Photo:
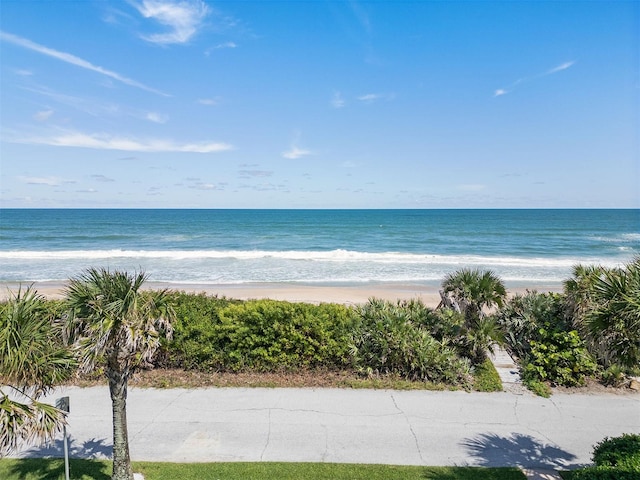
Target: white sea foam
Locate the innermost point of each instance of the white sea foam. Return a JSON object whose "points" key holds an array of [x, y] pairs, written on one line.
{"points": [[314, 256]]}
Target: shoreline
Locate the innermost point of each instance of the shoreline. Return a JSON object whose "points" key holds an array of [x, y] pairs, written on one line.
{"points": [[343, 294]]}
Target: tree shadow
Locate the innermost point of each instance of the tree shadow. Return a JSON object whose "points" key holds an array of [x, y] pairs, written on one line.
{"points": [[53, 468], [92, 449], [518, 450], [471, 473]]}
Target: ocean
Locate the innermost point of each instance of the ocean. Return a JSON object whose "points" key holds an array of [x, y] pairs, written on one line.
{"points": [[328, 247]]}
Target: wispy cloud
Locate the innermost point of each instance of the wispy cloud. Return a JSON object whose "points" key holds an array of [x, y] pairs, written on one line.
{"points": [[43, 115], [209, 102], [295, 152], [203, 186], [559, 68], [102, 178], [46, 181], [369, 97], [73, 60], [337, 101], [255, 173], [157, 117], [227, 45], [182, 18], [109, 142], [94, 107], [374, 97]]}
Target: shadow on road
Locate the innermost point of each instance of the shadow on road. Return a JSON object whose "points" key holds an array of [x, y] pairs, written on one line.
{"points": [[94, 448], [517, 450]]}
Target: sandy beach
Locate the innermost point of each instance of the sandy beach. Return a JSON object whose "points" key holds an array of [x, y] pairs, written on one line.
{"points": [[347, 294]]}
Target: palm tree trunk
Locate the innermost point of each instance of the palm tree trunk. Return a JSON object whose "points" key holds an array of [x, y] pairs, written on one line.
{"points": [[121, 460]]}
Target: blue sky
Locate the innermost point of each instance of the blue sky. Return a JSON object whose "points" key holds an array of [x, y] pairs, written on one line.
{"points": [[314, 104]]}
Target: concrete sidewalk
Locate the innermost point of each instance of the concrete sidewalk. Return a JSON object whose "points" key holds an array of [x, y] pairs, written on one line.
{"points": [[353, 426]]}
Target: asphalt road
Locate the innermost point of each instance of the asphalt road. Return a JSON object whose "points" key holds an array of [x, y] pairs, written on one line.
{"points": [[353, 426]]}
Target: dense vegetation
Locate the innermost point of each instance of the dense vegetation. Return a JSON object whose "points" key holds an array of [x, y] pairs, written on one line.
{"points": [[616, 458], [592, 330], [214, 333], [109, 324]]}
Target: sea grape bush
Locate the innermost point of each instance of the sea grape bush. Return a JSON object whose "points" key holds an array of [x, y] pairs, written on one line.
{"points": [[194, 345], [269, 334], [264, 335], [560, 358], [540, 335]]}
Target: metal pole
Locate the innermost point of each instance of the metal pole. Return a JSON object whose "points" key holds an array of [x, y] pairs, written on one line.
{"points": [[63, 404], [66, 452]]}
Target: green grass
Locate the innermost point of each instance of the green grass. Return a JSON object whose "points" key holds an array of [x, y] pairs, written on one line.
{"points": [[53, 469], [486, 378]]}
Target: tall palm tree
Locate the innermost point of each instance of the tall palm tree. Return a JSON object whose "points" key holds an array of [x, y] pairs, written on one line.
{"points": [[115, 324], [33, 360]]}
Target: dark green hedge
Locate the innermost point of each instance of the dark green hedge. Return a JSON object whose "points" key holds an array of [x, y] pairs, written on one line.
{"points": [[219, 334]]}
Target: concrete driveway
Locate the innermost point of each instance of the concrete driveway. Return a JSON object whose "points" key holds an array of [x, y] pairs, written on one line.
{"points": [[354, 426]]}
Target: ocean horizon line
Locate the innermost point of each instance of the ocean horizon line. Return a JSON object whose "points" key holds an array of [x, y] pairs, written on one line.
{"points": [[354, 209]]}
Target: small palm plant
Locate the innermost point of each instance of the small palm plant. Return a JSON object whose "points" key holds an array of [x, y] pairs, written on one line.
{"points": [[471, 291], [32, 361], [615, 322], [115, 324]]}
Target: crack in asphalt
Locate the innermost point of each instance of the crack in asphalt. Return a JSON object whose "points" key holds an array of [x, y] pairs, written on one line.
{"points": [[153, 420], [413, 433], [325, 454], [266, 445]]}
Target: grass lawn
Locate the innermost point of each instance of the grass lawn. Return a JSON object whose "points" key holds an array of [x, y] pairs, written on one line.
{"points": [[53, 469]]}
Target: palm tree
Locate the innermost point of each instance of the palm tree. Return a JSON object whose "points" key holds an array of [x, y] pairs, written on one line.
{"points": [[32, 361], [115, 324], [579, 291], [614, 323], [470, 292], [473, 290]]}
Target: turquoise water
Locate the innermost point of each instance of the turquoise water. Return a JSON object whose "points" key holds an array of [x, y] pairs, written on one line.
{"points": [[526, 247]]}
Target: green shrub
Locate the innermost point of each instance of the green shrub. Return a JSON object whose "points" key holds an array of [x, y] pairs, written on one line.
{"points": [[194, 344], [605, 308], [269, 334], [616, 458], [538, 387], [393, 338], [265, 335], [601, 473], [614, 376], [523, 316], [623, 451], [560, 358]]}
